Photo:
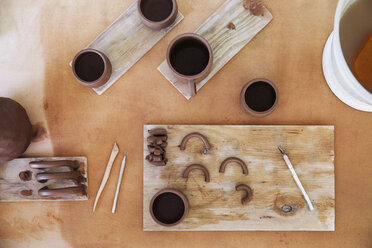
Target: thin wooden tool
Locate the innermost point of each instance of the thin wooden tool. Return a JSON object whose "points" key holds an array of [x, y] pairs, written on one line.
{"points": [[114, 153], [297, 180], [119, 183]]}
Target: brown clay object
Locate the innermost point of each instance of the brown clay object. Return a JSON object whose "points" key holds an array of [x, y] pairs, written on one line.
{"points": [[161, 163], [231, 26], [157, 14], [157, 158], [157, 143], [158, 131], [163, 145], [206, 144], [25, 175], [190, 58], [78, 190], [189, 168], [259, 97], [91, 68], [234, 160], [248, 190], [169, 207], [26, 192], [73, 164], [73, 175], [15, 129]]}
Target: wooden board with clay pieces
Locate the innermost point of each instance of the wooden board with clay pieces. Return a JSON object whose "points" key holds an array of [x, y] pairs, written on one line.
{"points": [[227, 30], [125, 41], [14, 187], [216, 205]]}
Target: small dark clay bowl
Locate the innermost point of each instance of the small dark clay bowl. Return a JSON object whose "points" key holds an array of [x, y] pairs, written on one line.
{"points": [[174, 214], [155, 19], [266, 91], [91, 68]]}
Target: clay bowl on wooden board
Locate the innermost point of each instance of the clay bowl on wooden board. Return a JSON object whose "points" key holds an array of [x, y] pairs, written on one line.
{"points": [[259, 97], [169, 207], [91, 68], [157, 14]]}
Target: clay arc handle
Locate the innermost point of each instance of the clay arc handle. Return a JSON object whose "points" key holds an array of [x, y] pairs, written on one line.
{"points": [[234, 160], [205, 141], [74, 175], [69, 191], [192, 87], [248, 190], [73, 164], [189, 168]]}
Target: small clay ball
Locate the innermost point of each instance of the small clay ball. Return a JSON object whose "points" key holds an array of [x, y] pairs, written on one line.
{"points": [[15, 129]]}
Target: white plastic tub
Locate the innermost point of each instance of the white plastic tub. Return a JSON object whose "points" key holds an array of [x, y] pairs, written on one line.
{"points": [[339, 52]]}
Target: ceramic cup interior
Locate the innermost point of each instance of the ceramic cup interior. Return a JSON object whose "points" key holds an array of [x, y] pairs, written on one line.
{"points": [[89, 66], [168, 207], [189, 56], [156, 10], [259, 97]]}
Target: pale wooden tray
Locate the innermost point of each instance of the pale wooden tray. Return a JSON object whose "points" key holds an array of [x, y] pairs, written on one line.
{"points": [[125, 41], [225, 42], [216, 205], [11, 185]]}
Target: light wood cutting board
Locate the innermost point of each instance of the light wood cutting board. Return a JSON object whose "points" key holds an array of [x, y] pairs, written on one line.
{"points": [[217, 206]]}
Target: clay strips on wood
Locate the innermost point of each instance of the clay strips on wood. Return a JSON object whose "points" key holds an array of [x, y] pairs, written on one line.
{"points": [[227, 30], [44, 179], [125, 41], [225, 195]]}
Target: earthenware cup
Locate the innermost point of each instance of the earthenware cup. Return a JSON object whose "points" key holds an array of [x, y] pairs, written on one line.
{"points": [[157, 14], [169, 207], [91, 68], [259, 97], [190, 58]]}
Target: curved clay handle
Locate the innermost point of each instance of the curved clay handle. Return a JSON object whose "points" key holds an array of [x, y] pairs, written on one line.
{"points": [[158, 131], [248, 190], [184, 141], [73, 164], [189, 168], [46, 192], [74, 175], [236, 160], [192, 87]]}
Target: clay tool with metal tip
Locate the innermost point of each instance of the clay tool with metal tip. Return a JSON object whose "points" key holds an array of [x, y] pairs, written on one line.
{"points": [[119, 183], [297, 180], [114, 153]]}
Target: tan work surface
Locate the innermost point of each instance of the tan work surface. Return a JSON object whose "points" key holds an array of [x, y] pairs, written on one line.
{"points": [[216, 206], [39, 38]]}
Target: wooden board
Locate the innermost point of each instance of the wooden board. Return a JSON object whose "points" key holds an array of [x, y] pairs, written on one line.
{"points": [[125, 41], [11, 185], [216, 205], [225, 42]]}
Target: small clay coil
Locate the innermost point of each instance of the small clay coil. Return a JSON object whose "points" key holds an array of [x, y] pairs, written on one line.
{"points": [[206, 144], [159, 141], [157, 150], [157, 158], [158, 131], [248, 190], [69, 191], [73, 164], [161, 163], [151, 139], [234, 160], [189, 168], [73, 175], [164, 144]]}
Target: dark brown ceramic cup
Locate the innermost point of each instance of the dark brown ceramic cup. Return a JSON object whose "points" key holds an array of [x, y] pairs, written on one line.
{"points": [[169, 207], [91, 68], [157, 14], [259, 97], [190, 58]]}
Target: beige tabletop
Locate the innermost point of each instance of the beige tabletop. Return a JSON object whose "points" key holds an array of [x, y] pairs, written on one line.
{"points": [[39, 38]]}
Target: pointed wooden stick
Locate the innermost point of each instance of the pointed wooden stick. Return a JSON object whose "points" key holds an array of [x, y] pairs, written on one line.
{"points": [[114, 153]]}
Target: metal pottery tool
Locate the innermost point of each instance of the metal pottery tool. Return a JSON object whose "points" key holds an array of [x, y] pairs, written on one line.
{"points": [[119, 182], [297, 180]]}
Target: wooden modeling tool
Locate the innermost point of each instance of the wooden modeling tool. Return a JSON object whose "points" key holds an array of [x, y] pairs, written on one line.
{"points": [[297, 180], [114, 153], [119, 183]]}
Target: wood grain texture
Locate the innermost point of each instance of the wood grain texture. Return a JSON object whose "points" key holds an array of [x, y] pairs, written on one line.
{"points": [[125, 41], [225, 42], [217, 205], [11, 185]]}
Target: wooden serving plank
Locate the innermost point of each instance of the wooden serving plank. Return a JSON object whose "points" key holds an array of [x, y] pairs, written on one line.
{"points": [[125, 41], [217, 206], [11, 185], [225, 42]]}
